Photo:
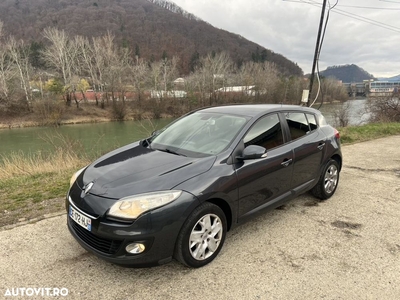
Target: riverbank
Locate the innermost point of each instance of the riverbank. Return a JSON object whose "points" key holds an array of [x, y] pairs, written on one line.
{"points": [[86, 113]]}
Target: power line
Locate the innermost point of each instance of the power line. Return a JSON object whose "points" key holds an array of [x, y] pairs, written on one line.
{"points": [[345, 12], [370, 7], [351, 15], [390, 1]]}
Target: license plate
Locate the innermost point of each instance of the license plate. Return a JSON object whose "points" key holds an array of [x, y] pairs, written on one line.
{"points": [[80, 219]]}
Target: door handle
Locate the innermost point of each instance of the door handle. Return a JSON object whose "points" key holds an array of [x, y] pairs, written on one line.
{"points": [[321, 146], [286, 162]]}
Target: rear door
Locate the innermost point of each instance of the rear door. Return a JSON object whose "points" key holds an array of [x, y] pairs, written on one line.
{"points": [[260, 181], [308, 144]]}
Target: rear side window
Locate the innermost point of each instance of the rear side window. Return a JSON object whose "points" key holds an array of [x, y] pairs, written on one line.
{"points": [[312, 121], [266, 132], [322, 120], [298, 124]]}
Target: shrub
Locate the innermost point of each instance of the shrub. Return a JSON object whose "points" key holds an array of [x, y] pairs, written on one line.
{"points": [[119, 110], [49, 112], [384, 109]]}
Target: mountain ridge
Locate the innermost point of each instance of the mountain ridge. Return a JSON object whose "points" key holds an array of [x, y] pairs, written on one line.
{"points": [[393, 78], [347, 73], [151, 31]]}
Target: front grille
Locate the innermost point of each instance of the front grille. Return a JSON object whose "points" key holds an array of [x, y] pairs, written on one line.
{"points": [[101, 244]]}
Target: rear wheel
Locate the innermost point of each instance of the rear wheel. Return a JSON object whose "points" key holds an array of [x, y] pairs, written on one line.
{"points": [[202, 236], [328, 181]]}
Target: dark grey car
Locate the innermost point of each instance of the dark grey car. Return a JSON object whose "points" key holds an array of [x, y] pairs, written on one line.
{"points": [[177, 193]]}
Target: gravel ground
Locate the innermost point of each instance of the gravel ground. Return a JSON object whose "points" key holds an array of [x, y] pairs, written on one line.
{"points": [[345, 248]]}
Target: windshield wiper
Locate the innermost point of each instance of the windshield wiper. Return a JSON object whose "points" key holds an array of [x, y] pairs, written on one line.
{"points": [[170, 151]]}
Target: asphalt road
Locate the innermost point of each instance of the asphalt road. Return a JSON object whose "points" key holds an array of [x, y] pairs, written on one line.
{"points": [[345, 248]]}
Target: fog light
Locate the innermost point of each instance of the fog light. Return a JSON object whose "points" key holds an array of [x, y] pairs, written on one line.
{"points": [[135, 248]]}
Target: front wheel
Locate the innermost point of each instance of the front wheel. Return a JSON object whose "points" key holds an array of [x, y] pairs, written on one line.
{"points": [[202, 236], [328, 181]]}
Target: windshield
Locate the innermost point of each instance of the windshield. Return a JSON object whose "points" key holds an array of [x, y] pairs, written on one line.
{"points": [[198, 134]]}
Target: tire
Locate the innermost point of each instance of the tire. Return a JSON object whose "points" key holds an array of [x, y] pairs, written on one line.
{"points": [[328, 181], [202, 236]]}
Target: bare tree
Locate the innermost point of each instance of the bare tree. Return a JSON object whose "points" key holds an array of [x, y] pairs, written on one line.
{"points": [[342, 115], [271, 83], [111, 66], [6, 74], [139, 73], [169, 71], [156, 74], [214, 70], [19, 54], [60, 55], [193, 90], [252, 74], [7, 70], [90, 63], [385, 108], [296, 85], [115, 65], [98, 66]]}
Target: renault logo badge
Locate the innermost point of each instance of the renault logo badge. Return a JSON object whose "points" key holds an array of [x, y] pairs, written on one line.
{"points": [[88, 187]]}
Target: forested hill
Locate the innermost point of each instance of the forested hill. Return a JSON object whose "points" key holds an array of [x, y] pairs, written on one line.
{"points": [[150, 28], [347, 73]]}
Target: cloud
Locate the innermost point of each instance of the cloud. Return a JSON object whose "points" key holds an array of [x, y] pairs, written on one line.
{"points": [[290, 28]]}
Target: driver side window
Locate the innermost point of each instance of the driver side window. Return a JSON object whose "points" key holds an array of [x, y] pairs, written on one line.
{"points": [[266, 132]]}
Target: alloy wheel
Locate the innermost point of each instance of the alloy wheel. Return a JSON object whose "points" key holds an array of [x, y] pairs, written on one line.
{"points": [[205, 237], [331, 179]]}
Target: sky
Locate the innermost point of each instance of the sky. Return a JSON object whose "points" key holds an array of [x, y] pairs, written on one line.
{"points": [[365, 33]]}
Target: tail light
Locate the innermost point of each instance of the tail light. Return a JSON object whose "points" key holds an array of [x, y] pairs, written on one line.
{"points": [[336, 133]]}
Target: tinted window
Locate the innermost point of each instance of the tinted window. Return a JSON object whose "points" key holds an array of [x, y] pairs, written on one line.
{"points": [[312, 121], [298, 124], [266, 132]]}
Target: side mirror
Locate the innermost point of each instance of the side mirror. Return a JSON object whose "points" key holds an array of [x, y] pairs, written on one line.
{"points": [[253, 152]]}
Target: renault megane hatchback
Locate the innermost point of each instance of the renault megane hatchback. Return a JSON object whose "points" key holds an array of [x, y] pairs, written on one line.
{"points": [[178, 192]]}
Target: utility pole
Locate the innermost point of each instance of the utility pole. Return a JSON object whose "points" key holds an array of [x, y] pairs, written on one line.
{"points": [[317, 48]]}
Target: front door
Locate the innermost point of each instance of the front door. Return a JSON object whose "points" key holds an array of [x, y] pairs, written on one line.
{"points": [[261, 181]]}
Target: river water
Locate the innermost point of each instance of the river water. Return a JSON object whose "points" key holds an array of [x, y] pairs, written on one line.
{"points": [[93, 138], [102, 137]]}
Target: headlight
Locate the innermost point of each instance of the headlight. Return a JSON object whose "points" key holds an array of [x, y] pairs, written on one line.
{"points": [[130, 208], [75, 176]]}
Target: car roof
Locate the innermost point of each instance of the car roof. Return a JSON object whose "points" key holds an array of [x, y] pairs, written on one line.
{"points": [[253, 110]]}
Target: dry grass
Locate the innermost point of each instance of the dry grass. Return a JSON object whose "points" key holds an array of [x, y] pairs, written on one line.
{"points": [[66, 154], [31, 186], [17, 164]]}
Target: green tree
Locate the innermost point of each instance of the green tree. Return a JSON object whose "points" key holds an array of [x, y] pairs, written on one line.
{"points": [[35, 55]]}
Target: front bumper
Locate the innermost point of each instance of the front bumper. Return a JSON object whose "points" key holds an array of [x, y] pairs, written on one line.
{"points": [[157, 230]]}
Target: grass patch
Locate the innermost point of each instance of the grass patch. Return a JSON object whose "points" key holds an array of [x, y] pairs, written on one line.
{"points": [[31, 186], [31, 196], [355, 134], [17, 192]]}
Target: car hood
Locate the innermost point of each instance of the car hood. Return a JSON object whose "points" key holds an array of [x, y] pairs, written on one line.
{"points": [[135, 169]]}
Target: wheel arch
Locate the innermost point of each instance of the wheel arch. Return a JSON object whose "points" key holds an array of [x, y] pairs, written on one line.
{"points": [[338, 159], [225, 208]]}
